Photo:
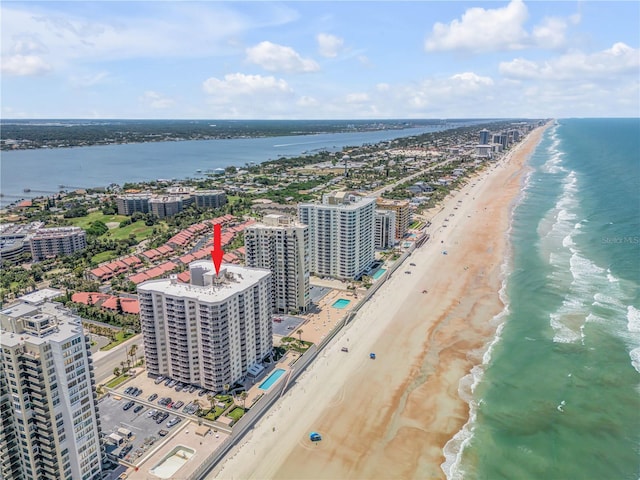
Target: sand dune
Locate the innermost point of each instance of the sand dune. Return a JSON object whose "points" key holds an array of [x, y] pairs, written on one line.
{"points": [[391, 417]]}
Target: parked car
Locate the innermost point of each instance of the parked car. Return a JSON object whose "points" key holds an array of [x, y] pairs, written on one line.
{"points": [[202, 392], [128, 405], [159, 380], [192, 388], [151, 413], [173, 421], [167, 382], [138, 392], [179, 387], [128, 390], [153, 396], [138, 408], [173, 383], [163, 433], [177, 405]]}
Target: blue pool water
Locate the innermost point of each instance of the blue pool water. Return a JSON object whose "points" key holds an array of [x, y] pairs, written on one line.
{"points": [[341, 303], [275, 375], [379, 273]]}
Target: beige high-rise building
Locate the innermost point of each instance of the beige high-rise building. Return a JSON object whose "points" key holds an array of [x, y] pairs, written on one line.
{"points": [[402, 211], [281, 245], [208, 332], [50, 426], [341, 234]]}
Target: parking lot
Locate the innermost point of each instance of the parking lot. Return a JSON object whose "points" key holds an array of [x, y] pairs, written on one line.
{"points": [[285, 325], [144, 431]]}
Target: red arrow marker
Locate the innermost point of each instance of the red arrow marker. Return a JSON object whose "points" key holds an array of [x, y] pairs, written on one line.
{"points": [[217, 253]]}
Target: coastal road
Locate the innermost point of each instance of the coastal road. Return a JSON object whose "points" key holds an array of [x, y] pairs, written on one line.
{"points": [[105, 362]]}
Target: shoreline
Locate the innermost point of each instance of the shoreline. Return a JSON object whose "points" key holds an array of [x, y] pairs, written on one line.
{"points": [[405, 405], [453, 450]]}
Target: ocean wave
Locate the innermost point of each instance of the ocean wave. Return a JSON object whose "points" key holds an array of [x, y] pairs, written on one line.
{"points": [[455, 447], [633, 319]]}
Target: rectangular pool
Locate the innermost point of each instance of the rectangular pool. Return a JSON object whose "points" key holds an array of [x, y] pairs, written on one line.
{"points": [[379, 273], [275, 375], [341, 303]]}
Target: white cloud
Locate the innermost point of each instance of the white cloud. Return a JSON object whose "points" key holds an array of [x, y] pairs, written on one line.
{"points": [[481, 30], [156, 100], [306, 102], [618, 60], [550, 33], [471, 80], [25, 65], [150, 30], [276, 58], [329, 45], [485, 30], [239, 84], [359, 97]]}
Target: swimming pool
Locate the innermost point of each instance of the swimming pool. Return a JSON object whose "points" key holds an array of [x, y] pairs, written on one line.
{"points": [[341, 303], [172, 462], [379, 273], [275, 375]]}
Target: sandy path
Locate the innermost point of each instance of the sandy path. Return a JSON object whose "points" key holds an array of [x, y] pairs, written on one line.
{"points": [[391, 417]]}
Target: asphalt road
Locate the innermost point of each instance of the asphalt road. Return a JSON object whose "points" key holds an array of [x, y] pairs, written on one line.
{"points": [[105, 362]]}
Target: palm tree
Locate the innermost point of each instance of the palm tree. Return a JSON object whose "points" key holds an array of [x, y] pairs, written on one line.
{"points": [[243, 397], [299, 332], [132, 352], [212, 401], [196, 402], [116, 372]]}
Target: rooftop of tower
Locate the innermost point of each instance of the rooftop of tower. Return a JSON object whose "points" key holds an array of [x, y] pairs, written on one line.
{"points": [[205, 285]]}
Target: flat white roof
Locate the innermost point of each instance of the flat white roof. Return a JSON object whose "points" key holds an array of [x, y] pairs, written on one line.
{"points": [[236, 280], [40, 296]]}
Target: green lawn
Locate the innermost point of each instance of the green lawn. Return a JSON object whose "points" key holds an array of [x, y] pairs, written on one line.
{"points": [[121, 336], [139, 229], [103, 257], [117, 381], [236, 413], [85, 222]]}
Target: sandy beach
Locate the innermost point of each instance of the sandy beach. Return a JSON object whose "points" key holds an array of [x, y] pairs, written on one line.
{"points": [[391, 417]]}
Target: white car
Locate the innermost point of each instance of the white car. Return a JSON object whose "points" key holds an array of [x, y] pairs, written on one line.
{"points": [[151, 413], [173, 421]]}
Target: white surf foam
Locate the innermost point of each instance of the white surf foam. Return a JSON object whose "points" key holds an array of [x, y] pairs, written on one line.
{"points": [[454, 448]]}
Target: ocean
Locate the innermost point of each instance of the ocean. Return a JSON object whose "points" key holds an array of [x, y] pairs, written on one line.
{"points": [[558, 396]]}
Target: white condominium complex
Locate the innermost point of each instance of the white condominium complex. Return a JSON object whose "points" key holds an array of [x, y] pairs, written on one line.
{"points": [[50, 427], [341, 234], [282, 246], [208, 332], [51, 242]]}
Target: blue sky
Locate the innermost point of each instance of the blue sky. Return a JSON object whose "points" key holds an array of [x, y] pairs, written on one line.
{"points": [[308, 60]]}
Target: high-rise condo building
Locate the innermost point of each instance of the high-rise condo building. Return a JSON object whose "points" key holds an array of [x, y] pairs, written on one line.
{"points": [[402, 211], [136, 202], [484, 136], [167, 206], [341, 234], [385, 235], [50, 427], [209, 198], [281, 245], [51, 242], [211, 331]]}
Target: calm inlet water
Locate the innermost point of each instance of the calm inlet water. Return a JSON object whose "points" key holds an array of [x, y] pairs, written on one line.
{"points": [[44, 170], [560, 393]]}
